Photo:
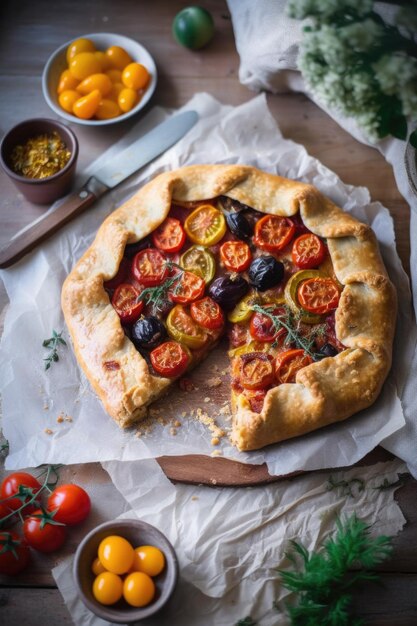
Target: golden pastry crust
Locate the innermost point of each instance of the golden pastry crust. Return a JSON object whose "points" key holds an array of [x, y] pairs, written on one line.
{"points": [[325, 392]]}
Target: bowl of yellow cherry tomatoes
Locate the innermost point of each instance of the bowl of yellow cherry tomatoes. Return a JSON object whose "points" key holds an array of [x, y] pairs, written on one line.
{"points": [[125, 570], [99, 79]]}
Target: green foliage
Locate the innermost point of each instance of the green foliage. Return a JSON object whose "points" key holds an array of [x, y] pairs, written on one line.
{"points": [[324, 581], [52, 344]]}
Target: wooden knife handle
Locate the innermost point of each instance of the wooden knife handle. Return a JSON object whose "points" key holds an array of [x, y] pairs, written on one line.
{"points": [[30, 238]]}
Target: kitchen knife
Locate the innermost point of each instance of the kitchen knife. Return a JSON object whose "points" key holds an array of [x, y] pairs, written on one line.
{"points": [[111, 174]]}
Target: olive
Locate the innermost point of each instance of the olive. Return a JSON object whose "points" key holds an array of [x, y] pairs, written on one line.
{"points": [[148, 332], [328, 350], [227, 292], [239, 225], [265, 272], [133, 248]]}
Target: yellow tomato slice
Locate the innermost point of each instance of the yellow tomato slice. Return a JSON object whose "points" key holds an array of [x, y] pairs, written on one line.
{"points": [[199, 261], [184, 329], [206, 225], [243, 311]]}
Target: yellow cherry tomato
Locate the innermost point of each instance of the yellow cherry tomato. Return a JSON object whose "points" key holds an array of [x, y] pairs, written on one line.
{"points": [[118, 57], [79, 45], [148, 559], [97, 567], [102, 59], [67, 99], [84, 64], [128, 98], [135, 76], [67, 81], [205, 225], [85, 107], [116, 554], [138, 589], [95, 81], [114, 75], [107, 109], [115, 90], [108, 588]]}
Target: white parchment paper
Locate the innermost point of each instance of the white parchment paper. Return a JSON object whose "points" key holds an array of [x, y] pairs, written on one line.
{"points": [[229, 542], [33, 398]]}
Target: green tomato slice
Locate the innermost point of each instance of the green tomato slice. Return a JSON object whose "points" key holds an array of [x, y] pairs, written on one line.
{"points": [[200, 261]]}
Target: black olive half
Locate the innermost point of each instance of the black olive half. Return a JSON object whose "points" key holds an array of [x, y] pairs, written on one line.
{"points": [[148, 333], [265, 272], [227, 292], [239, 225], [328, 350]]}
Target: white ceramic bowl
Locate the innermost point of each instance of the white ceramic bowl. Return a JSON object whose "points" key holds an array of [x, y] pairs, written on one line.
{"points": [[57, 63]]}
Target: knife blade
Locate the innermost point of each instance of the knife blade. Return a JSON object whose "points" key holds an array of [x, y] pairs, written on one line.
{"points": [[131, 159]]}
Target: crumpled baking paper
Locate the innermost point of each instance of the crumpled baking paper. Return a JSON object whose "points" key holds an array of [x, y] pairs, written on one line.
{"points": [[229, 542], [33, 398]]}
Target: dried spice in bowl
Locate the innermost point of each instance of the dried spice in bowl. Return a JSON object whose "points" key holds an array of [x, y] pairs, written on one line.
{"points": [[40, 156]]}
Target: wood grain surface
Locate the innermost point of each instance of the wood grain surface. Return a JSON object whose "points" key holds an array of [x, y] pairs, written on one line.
{"points": [[30, 32]]}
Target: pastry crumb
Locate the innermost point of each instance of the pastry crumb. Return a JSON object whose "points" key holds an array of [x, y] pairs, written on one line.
{"points": [[225, 410], [59, 419], [173, 431], [195, 498], [216, 453], [45, 407], [216, 381], [68, 418], [207, 399], [48, 431], [215, 441], [213, 481], [177, 423]]}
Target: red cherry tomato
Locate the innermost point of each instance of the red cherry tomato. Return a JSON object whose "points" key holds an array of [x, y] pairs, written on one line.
{"points": [[45, 537], [23, 485], [170, 359], [169, 236], [71, 503], [188, 288], [125, 301], [207, 313], [235, 255], [14, 553], [288, 363], [5, 511], [308, 251], [149, 267], [255, 370], [318, 295], [262, 327], [273, 233], [120, 277]]}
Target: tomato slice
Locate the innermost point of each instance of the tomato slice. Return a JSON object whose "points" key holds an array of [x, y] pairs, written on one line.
{"points": [[262, 327], [149, 267], [169, 236], [318, 295], [273, 233], [235, 255], [242, 311], [255, 370], [188, 288], [206, 225], [256, 399], [308, 251], [207, 313], [288, 363], [125, 301], [120, 276], [199, 261], [170, 359], [183, 328]]}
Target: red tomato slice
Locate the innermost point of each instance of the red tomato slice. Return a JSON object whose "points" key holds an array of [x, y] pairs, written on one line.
{"points": [[288, 363], [207, 313], [169, 359], [149, 267], [256, 399], [273, 233], [169, 236], [188, 288], [256, 370], [262, 328], [125, 302], [120, 276], [308, 251], [318, 295], [238, 335], [235, 255]]}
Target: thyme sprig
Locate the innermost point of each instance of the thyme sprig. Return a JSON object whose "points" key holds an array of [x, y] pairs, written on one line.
{"points": [[291, 324], [348, 488], [52, 344], [158, 296]]}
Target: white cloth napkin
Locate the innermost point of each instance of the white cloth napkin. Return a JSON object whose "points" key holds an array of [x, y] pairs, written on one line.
{"points": [[267, 41]]}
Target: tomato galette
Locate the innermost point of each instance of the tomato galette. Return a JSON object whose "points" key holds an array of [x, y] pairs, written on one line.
{"points": [[297, 285]]}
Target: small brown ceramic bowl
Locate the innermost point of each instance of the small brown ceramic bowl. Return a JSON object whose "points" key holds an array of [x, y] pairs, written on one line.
{"points": [[138, 533], [40, 190]]}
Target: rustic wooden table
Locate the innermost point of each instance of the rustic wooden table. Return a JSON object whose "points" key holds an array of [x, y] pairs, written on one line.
{"points": [[29, 33]]}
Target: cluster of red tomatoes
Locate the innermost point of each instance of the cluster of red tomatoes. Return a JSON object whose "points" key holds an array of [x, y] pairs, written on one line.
{"points": [[124, 571], [44, 526]]}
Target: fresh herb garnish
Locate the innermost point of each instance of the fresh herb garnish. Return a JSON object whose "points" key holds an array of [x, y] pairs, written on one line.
{"points": [[291, 324], [157, 296], [350, 488], [246, 621], [385, 485], [324, 582], [52, 344]]}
